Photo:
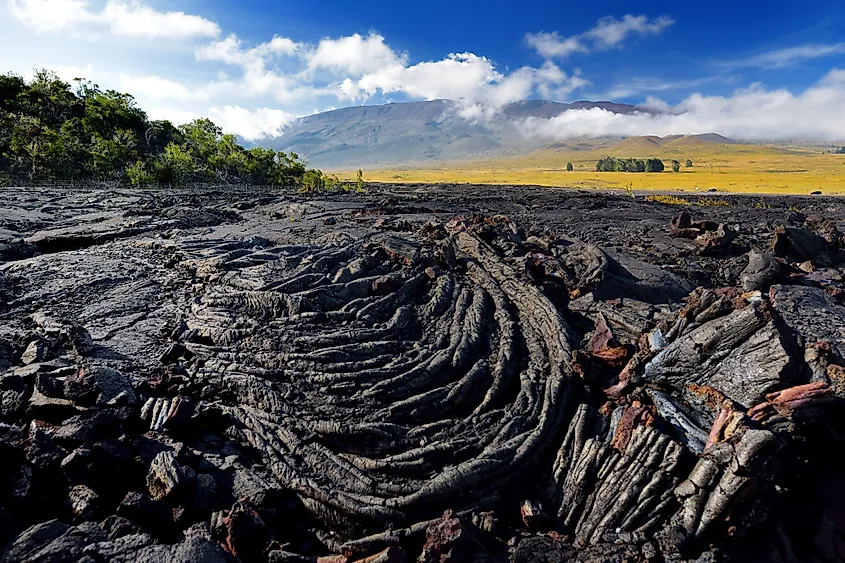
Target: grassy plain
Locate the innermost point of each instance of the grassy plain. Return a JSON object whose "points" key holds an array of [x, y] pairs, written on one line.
{"points": [[736, 168]]}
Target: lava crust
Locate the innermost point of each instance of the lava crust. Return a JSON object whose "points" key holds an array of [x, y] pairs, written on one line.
{"points": [[428, 373]]}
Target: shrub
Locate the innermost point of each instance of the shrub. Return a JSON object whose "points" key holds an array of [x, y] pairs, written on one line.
{"points": [[138, 175], [667, 199], [676, 166], [569, 167], [711, 202], [689, 163], [654, 165]]}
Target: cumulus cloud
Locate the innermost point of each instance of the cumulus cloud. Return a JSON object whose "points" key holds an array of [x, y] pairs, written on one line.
{"points": [[258, 79], [252, 125], [608, 33], [467, 78], [121, 17], [231, 51], [355, 55], [753, 113], [357, 68]]}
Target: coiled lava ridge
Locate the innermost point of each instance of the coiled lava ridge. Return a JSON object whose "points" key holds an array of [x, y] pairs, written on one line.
{"points": [[383, 393]]}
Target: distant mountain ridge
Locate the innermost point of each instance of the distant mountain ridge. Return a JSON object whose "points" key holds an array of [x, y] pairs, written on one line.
{"points": [[420, 132]]}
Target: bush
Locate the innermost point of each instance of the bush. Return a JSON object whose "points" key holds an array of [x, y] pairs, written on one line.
{"points": [[689, 163], [676, 166], [667, 199], [359, 181], [712, 202], [654, 165], [138, 175], [569, 167]]}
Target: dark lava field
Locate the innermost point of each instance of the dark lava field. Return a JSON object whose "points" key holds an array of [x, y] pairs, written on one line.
{"points": [[420, 373]]}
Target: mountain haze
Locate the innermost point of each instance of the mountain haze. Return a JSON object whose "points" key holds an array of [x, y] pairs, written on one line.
{"points": [[417, 132]]}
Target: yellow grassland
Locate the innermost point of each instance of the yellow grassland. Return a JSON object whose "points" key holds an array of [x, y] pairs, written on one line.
{"points": [[733, 168]]}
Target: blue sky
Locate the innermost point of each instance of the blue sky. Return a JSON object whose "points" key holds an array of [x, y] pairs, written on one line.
{"points": [[751, 69]]}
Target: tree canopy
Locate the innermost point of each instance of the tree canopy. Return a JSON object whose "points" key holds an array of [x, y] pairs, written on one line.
{"points": [[50, 130]]}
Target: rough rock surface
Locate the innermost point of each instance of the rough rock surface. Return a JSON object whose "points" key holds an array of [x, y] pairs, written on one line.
{"points": [[419, 373]]}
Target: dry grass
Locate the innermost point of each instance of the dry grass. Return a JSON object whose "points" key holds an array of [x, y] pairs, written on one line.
{"points": [[668, 199], [711, 202], [731, 168]]}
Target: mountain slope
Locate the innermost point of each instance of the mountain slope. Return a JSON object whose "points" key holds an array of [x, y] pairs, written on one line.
{"points": [[416, 132]]}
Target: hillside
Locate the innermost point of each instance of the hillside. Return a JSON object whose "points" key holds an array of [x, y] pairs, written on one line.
{"points": [[417, 132]]}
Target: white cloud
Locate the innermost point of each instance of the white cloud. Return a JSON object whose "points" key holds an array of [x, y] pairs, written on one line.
{"points": [[257, 79], [780, 58], [608, 33], [50, 15], [230, 50], [355, 55], [553, 46], [456, 77], [636, 86], [753, 113], [252, 125], [469, 79], [174, 115], [125, 18], [154, 87]]}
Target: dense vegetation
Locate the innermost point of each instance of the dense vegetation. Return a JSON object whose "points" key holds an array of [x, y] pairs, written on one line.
{"points": [[610, 164], [840, 150], [50, 131]]}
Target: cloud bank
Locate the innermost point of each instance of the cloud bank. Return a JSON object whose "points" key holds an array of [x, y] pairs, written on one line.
{"points": [[753, 113]]}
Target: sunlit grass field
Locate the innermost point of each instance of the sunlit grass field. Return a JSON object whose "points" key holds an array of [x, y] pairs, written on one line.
{"points": [[732, 168]]}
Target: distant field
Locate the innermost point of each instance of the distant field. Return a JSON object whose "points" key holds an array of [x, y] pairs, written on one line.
{"points": [[725, 167]]}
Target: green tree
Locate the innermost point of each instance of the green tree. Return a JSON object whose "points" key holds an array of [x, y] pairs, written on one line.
{"points": [[37, 151], [654, 165], [258, 166], [312, 181], [138, 175], [676, 166], [53, 130], [160, 133], [569, 167], [110, 157], [689, 163], [290, 170], [175, 166]]}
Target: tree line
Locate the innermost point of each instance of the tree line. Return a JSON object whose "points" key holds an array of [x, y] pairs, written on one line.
{"points": [[611, 164], [50, 130]]}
